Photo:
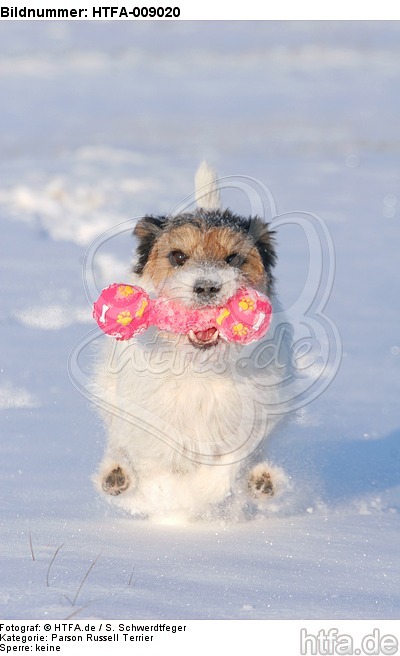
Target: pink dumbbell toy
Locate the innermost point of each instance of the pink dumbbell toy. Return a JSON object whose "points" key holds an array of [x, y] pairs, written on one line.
{"points": [[124, 310]]}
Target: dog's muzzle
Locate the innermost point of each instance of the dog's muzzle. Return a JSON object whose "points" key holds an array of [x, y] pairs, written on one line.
{"points": [[206, 290]]}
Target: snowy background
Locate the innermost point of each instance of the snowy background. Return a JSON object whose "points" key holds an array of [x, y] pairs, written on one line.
{"points": [[101, 122]]}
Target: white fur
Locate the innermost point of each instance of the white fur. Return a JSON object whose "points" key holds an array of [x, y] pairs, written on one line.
{"points": [[207, 192], [180, 285], [183, 423]]}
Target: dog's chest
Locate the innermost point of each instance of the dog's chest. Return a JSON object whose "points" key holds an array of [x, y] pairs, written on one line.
{"points": [[194, 404], [190, 395]]}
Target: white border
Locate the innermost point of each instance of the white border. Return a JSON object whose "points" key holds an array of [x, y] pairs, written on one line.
{"points": [[223, 10], [78, 637]]}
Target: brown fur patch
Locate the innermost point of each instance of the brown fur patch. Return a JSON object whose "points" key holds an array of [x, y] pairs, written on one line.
{"points": [[201, 245]]}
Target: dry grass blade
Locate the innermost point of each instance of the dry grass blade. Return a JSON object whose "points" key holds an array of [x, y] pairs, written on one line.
{"points": [[76, 612], [131, 576], [31, 546], [84, 579], [51, 562]]}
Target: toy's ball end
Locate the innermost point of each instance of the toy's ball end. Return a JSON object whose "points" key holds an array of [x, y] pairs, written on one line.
{"points": [[246, 317], [121, 310]]}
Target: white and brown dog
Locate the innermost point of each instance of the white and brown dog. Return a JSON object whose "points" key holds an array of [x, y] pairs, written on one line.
{"points": [[187, 415]]}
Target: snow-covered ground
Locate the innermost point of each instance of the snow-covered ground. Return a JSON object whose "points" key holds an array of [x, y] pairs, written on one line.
{"points": [[102, 122]]}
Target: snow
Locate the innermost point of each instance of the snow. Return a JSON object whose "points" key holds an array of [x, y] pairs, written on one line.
{"points": [[15, 397], [103, 122]]}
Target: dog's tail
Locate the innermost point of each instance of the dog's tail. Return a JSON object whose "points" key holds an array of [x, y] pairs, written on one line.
{"points": [[206, 186]]}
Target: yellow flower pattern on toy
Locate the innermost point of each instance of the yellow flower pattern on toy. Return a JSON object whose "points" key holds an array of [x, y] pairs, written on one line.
{"points": [[247, 304], [141, 309], [125, 291], [124, 318], [222, 316], [240, 329]]}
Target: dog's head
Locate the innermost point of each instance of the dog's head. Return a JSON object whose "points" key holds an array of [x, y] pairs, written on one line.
{"points": [[203, 258]]}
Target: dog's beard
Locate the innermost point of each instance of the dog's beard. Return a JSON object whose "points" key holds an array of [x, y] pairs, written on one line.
{"points": [[164, 351]]}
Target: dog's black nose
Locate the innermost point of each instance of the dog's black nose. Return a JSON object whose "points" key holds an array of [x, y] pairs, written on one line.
{"points": [[206, 288]]}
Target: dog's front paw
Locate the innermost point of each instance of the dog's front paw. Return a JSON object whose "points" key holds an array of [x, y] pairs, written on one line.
{"points": [[116, 481], [260, 483]]}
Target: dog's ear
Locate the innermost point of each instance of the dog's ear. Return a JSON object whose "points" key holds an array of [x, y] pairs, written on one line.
{"points": [[147, 230], [264, 241]]}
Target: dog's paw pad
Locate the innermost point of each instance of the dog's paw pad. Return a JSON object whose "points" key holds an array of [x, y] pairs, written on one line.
{"points": [[261, 485], [115, 482]]}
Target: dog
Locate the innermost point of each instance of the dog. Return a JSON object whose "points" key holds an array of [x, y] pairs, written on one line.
{"points": [[187, 415]]}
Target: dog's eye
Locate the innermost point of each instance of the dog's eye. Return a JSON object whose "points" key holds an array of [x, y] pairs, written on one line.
{"points": [[235, 260], [177, 258]]}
